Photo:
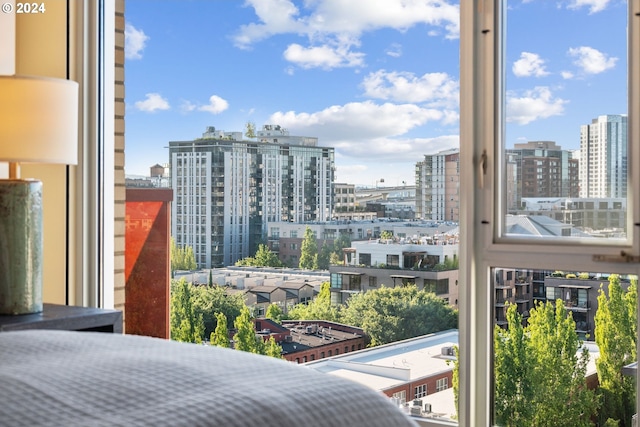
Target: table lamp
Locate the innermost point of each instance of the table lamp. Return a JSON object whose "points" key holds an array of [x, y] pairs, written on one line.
{"points": [[38, 124]]}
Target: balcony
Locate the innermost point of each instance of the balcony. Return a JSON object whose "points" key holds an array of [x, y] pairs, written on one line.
{"points": [[581, 307]]}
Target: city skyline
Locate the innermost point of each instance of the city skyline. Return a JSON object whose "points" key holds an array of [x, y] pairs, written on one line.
{"points": [[379, 82]]}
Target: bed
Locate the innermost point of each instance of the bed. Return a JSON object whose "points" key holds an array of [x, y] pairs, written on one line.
{"points": [[66, 378]]}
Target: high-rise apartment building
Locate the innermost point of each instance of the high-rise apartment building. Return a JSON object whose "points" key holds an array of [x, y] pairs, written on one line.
{"points": [[603, 157], [226, 190], [438, 186], [540, 169]]}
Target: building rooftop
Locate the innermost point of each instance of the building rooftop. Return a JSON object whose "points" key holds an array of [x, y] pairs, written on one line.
{"points": [[309, 334], [249, 277], [539, 225], [393, 364]]}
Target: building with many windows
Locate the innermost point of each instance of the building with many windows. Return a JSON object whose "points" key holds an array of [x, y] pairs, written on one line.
{"points": [[603, 157], [540, 169], [226, 190], [606, 217], [438, 186], [428, 262], [344, 197]]}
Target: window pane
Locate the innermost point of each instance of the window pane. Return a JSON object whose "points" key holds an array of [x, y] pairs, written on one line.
{"points": [[563, 341], [565, 142]]}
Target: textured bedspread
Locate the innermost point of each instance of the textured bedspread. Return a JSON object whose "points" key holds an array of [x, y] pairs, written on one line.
{"points": [[60, 378]]}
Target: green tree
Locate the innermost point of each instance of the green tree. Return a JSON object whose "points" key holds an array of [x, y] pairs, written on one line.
{"points": [[540, 370], [343, 241], [264, 257], [274, 312], [308, 251], [272, 348], [186, 323], [335, 259], [447, 264], [615, 335], [394, 314], [245, 338], [455, 376], [512, 372], [386, 235], [319, 308], [324, 256], [250, 130], [181, 258], [220, 336], [207, 301]]}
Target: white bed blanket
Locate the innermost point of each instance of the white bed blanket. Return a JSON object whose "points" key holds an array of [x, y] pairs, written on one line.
{"points": [[62, 378]]}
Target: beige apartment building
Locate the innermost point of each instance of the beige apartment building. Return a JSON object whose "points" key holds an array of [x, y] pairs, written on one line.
{"points": [[438, 186]]}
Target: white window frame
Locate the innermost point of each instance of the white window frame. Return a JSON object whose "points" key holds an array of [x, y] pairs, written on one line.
{"points": [[401, 396], [442, 384], [481, 87], [420, 391], [92, 65]]}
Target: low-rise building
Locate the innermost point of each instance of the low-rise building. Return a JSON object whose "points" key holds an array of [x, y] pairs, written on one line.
{"points": [[416, 368], [307, 340], [601, 216], [262, 286], [429, 262], [285, 238]]}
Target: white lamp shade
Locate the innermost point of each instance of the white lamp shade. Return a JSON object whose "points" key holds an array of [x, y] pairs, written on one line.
{"points": [[38, 120]]}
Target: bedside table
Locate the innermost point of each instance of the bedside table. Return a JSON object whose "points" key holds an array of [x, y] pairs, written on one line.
{"points": [[65, 317]]}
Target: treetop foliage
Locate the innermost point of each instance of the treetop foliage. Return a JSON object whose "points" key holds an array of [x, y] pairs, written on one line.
{"points": [[264, 257], [616, 337], [394, 314], [385, 314], [181, 258], [540, 370], [308, 251]]}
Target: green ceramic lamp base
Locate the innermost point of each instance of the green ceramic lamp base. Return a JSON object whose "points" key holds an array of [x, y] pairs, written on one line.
{"points": [[20, 246]]}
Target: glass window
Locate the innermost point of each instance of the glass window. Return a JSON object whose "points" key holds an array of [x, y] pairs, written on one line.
{"points": [[420, 391], [401, 397], [553, 115], [522, 90]]}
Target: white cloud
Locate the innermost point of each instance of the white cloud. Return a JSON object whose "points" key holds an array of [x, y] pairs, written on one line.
{"points": [[134, 42], [322, 56], [395, 50], [366, 129], [591, 61], [529, 64], [152, 103], [216, 105], [567, 75], [360, 120], [395, 150], [435, 89], [337, 25], [356, 169], [535, 104], [187, 106], [593, 5]]}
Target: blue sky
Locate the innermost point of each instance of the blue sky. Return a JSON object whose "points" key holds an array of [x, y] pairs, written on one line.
{"points": [[376, 79]]}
